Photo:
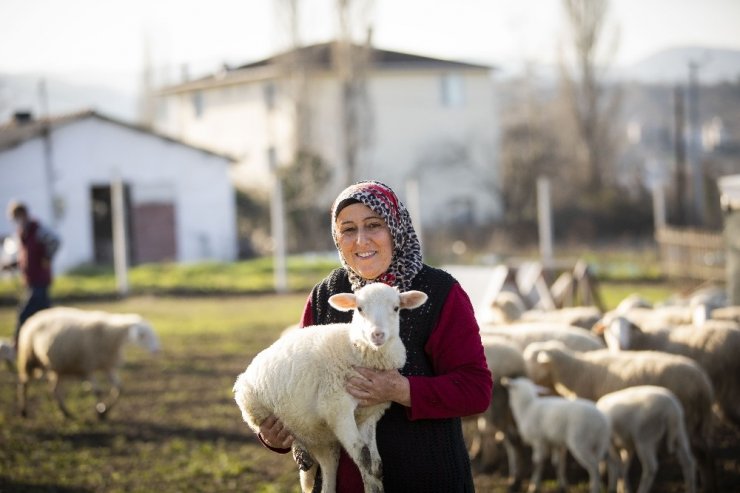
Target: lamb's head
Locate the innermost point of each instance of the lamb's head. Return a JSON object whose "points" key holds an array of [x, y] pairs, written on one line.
{"points": [[141, 333], [376, 310], [618, 334], [521, 386]]}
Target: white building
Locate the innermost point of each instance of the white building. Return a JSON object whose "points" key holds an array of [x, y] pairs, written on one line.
{"points": [[423, 119], [180, 202]]}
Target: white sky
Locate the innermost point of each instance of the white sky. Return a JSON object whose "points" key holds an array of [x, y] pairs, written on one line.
{"points": [[91, 39]]}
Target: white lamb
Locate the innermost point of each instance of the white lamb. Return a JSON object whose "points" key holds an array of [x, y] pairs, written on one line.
{"points": [[593, 374], [642, 418], [67, 342], [301, 379], [715, 348], [553, 424]]}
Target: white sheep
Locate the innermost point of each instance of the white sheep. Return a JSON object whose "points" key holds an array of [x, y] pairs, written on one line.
{"points": [[504, 359], [714, 347], [578, 316], [643, 417], [553, 424], [593, 374], [525, 333], [67, 342], [301, 379]]}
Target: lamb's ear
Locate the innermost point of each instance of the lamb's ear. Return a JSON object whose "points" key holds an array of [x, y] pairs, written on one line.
{"points": [[343, 301], [413, 299]]}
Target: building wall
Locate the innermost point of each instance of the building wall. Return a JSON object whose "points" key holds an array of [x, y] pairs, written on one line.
{"points": [[94, 152]]}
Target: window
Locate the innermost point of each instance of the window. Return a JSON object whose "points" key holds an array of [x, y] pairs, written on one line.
{"points": [[452, 90], [198, 104]]}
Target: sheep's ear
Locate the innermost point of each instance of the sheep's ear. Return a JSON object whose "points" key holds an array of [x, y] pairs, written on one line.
{"points": [[543, 357], [598, 328], [413, 299], [343, 301]]}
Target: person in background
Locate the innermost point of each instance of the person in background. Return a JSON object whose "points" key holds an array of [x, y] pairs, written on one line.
{"points": [[34, 261], [446, 377]]}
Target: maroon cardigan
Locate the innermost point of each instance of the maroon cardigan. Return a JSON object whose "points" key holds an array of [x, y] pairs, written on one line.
{"points": [[32, 257]]}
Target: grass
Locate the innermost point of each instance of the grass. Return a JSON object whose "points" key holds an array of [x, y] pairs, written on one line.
{"points": [[176, 427]]}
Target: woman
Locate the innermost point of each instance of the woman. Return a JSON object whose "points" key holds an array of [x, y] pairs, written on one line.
{"points": [[445, 377]]}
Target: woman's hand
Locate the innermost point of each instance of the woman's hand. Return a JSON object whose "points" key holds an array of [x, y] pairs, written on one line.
{"points": [[274, 434], [377, 386]]}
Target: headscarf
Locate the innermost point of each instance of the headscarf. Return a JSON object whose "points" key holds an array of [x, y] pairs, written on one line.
{"points": [[381, 199]]}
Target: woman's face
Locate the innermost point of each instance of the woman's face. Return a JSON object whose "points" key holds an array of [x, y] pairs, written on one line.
{"points": [[364, 240]]}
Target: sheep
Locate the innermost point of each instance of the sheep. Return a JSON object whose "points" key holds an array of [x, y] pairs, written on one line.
{"points": [[579, 316], [553, 422], [506, 307], [301, 378], [523, 334], [504, 359], [730, 312], [593, 374], [715, 348], [642, 416], [7, 353], [68, 342]]}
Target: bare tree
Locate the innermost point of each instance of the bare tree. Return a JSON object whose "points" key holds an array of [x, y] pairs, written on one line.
{"points": [[592, 109], [352, 63]]}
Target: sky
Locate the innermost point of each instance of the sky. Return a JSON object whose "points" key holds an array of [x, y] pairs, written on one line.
{"points": [[104, 40]]}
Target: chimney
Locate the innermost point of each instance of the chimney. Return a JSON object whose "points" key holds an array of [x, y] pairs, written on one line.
{"points": [[22, 117]]}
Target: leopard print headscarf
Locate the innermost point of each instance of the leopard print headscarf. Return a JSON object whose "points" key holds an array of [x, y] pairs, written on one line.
{"points": [[406, 261]]}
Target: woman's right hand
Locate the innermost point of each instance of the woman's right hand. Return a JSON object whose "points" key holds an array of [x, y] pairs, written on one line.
{"points": [[274, 434]]}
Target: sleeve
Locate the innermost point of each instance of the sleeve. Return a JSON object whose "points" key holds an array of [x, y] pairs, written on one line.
{"points": [[307, 318], [462, 384]]}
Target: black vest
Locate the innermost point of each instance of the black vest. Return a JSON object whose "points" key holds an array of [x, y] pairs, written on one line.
{"points": [[427, 455]]}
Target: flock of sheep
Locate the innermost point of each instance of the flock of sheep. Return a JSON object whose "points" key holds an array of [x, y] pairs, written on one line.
{"points": [[603, 387], [610, 386]]}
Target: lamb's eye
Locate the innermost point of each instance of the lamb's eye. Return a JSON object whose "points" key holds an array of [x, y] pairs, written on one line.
{"points": [[395, 308], [359, 309]]}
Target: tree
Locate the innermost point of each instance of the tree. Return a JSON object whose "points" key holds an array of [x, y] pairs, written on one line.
{"points": [[592, 110]]}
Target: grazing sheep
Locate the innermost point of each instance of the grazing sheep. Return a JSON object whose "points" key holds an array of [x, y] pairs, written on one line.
{"points": [[555, 424], [506, 307], [68, 342], [714, 347], [301, 379], [642, 417], [525, 333], [731, 313], [504, 360], [593, 374]]}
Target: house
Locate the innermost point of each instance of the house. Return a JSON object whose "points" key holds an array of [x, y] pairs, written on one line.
{"points": [[412, 119], [179, 201]]}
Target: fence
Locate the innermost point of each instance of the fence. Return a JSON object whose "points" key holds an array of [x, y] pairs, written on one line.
{"points": [[691, 254]]}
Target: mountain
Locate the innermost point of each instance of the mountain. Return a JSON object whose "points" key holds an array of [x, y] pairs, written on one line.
{"points": [[672, 65], [22, 93]]}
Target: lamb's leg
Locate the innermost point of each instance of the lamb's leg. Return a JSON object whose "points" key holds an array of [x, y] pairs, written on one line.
{"points": [[649, 462], [559, 458], [615, 471], [368, 433], [688, 467], [345, 429], [515, 450], [590, 462], [539, 455], [328, 460], [23, 398]]}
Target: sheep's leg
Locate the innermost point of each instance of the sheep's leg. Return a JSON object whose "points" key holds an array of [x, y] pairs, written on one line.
{"points": [[615, 470], [56, 388], [688, 467], [539, 455], [345, 429], [590, 462], [368, 433], [115, 392], [559, 459], [515, 450], [23, 398], [649, 462], [328, 460]]}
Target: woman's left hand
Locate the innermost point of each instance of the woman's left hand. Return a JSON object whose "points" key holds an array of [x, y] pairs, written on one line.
{"points": [[378, 386]]}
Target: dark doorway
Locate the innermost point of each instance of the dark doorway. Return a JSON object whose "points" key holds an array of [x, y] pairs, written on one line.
{"points": [[102, 220]]}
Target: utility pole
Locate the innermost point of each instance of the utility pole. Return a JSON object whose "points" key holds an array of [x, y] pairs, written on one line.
{"points": [[694, 154], [680, 155]]}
